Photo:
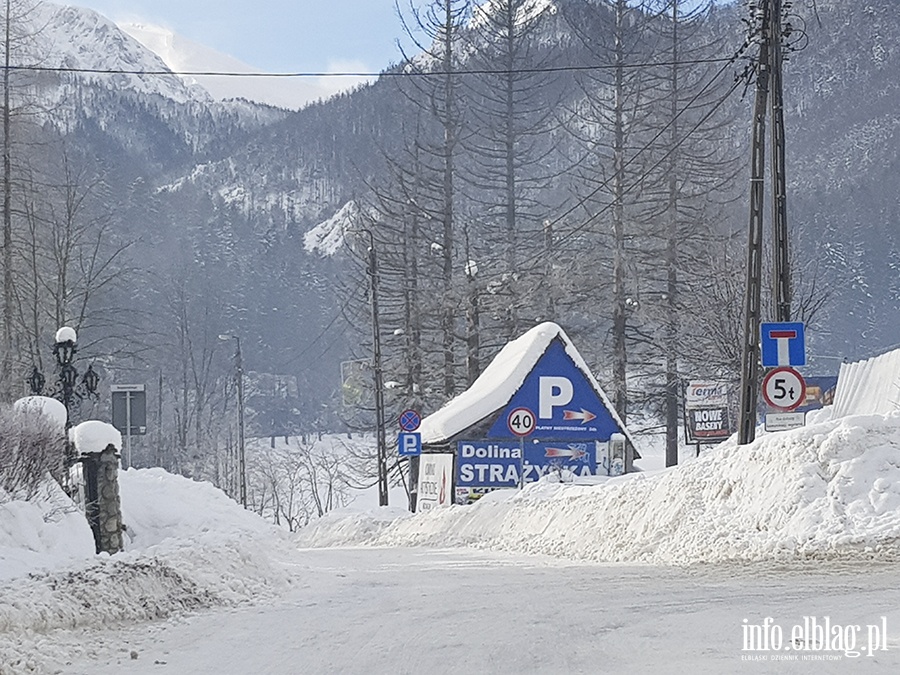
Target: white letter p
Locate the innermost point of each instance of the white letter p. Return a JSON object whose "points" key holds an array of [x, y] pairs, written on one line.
{"points": [[554, 392]]}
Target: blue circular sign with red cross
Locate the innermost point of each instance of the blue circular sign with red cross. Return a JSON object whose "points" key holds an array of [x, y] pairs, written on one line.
{"points": [[410, 420]]}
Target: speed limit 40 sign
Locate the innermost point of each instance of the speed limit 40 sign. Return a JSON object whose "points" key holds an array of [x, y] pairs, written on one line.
{"points": [[784, 388], [521, 421]]}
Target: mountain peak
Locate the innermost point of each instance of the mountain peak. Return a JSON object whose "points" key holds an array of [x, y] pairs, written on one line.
{"points": [[79, 38]]}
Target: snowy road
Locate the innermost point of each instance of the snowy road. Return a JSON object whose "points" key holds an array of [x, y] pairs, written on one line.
{"points": [[452, 611]]}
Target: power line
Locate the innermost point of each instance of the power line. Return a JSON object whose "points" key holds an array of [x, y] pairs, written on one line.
{"points": [[386, 73]]}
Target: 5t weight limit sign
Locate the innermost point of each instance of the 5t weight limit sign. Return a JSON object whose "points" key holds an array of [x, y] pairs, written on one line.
{"points": [[784, 389]]}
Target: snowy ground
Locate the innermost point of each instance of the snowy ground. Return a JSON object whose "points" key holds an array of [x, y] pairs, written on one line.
{"points": [[650, 572], [441, 611]]}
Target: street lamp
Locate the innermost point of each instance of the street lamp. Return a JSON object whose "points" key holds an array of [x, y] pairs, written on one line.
{"points": [[239, 376], [68, 388]]}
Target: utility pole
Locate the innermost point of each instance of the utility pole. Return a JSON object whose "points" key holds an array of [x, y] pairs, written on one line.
{"points": [[372, 269], [781, 281], [239, 378], [768, 81], [6, 361], [242, 459]]}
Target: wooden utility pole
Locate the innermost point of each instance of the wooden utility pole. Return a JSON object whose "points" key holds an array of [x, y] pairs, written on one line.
{"points": [[6, 360], [381, 440], [781, 270], [769, 98]]}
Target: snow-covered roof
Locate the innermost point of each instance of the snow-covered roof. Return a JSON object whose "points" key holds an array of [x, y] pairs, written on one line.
{"points": [[499, 382]]}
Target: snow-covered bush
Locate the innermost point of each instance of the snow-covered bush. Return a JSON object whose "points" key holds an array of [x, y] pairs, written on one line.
{"points": [[31, 445]]}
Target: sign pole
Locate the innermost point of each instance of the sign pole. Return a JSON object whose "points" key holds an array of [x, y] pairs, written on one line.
{"points": [[128, 429], [521, 462]]}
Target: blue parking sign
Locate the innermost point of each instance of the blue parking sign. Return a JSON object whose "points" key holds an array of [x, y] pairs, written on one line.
{"points": [[409, 444]]}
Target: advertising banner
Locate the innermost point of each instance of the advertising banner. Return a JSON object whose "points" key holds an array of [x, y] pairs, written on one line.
{"points": [[705, 394], [434, 487], [707, 416], [707, 425]]}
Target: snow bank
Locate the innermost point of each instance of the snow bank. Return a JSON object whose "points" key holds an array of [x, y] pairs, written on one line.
{"points": [[188, 546], [46, 532], [824, 491], [158, 506]]}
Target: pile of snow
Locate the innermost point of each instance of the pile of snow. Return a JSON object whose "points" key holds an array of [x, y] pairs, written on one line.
{"points": [[42, 533], [829, 490], [188, 546], [158, 507], [94, 436]]}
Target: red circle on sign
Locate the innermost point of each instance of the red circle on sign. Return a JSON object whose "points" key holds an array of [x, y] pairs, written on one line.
{"points": [[521, 421], [410, 420], [784, 388]]}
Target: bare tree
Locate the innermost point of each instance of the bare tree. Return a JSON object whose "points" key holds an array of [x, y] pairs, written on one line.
{"points": [[513, 98], [437, 91]]}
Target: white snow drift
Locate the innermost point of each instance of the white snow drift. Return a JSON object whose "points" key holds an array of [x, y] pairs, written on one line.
{"points": [[828, 490], [189, 547]]}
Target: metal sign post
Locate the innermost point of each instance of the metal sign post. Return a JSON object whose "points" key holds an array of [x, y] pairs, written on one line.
{"points": [[129, 413]]}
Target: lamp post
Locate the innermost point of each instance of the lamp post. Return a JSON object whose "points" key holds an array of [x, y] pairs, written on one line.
{"points": [[239, 376], [69, 388]]}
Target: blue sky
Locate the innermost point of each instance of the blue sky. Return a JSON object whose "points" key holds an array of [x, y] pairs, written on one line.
{"points": [[275, 35]]}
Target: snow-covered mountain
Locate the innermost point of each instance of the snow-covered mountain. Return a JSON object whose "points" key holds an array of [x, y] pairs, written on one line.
{"points": [[73, 37], [82, 39], [185, 56]]}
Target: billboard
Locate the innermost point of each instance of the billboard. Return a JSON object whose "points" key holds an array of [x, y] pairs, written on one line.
{"points": [[705, 394], [492, 464], [707, 425], [434, 486], [707, 412]]}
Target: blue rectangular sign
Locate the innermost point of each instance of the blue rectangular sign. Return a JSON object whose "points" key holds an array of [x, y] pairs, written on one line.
{"points": [[542, 459], [409, 444], [490, 464], [782, 344]]}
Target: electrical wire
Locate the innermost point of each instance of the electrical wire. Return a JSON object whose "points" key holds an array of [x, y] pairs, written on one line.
{"points": [[386, 73], [318, 337]]}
